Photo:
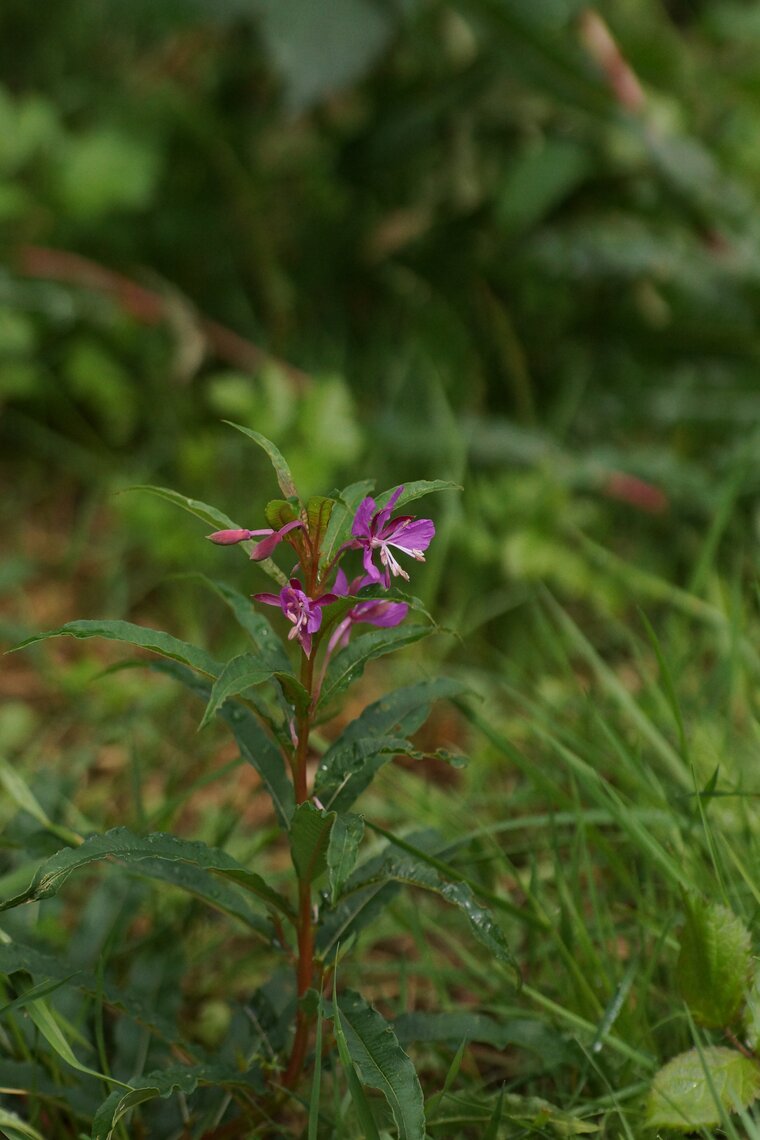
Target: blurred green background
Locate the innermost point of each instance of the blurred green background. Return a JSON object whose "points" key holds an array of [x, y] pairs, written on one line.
{"points": [[511, 242]]}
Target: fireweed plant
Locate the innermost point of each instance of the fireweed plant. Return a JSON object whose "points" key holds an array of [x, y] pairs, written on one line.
{"points": [[339, 605]]}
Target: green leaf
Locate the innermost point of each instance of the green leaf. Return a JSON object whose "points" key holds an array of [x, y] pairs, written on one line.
{"points": [[279, 512], [714, 963], [255, 746], [382, 1063], [348, 665], [346, 769], [213, 517], [268, 646], [342, 851], [137, 635], [353, 913], [360, 1102], [22, 795], [309, 837], [281, 469], [697, 1088], [209, 515], [164, 1083], [451, 1028], [417, 490], [47, 1024], [318, 512], [339, 527], [16, 956], [351, 762], [239, 674], [414, 873], [127, 847]]}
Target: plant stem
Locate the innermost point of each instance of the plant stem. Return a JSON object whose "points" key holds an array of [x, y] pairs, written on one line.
{"points": [[305, 966]]}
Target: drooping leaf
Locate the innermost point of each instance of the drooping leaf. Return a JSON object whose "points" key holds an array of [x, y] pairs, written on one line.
{"points": [[212, 517], [401, 712], [281, 469], [353, 913], [267, 645], [343, 849], [164, 1083], [24, 797], [382, 1063], [48, 1025], [348, 665], [698, 1087], [15, 957], [255, 746], [452, 1028], [140, 636], [346, 770], [714, 963], [127, 847], [309, 837], [414, 873]]}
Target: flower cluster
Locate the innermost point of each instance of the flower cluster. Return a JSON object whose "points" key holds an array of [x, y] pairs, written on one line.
{"points": [[376, 534]]}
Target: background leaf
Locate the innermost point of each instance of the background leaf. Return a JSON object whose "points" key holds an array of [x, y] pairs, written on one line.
{"points": [[714, 963], [697, 1088]]}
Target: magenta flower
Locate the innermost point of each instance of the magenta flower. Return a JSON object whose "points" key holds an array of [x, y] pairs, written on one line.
{"points": [[304, 612], [374, 611], [262, 549], [375, 530]]}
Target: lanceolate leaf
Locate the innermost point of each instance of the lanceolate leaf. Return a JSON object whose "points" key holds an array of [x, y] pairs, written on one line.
{"points": [[348, 665], [210, 515], [16, 957], [141, 637], [214, 518], [127, 847], [267, 645], [353, 913], [281, 469], [342, 851], [715, 962], [309, 837], [368, 742], [163, 1084], [382, 1063], [255, 746], [416, 490], [697, 1088], [400, 713], [345, 771], [339, 527], [413, 873]]}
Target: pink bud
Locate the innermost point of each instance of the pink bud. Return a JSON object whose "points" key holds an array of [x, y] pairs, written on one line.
{"points": [[229, 537]]}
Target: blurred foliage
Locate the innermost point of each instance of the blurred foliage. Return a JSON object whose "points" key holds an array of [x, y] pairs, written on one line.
{"points": [[514, 244]]}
